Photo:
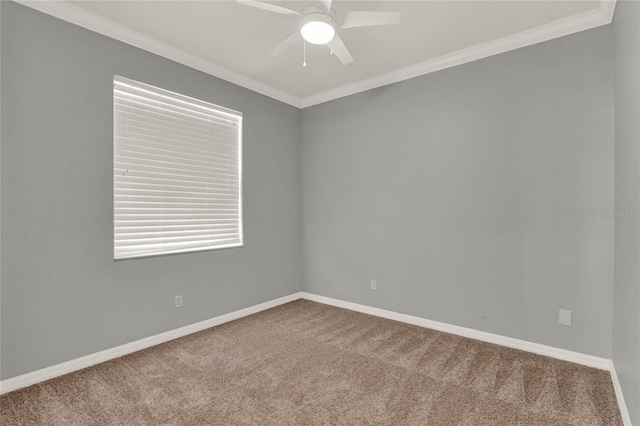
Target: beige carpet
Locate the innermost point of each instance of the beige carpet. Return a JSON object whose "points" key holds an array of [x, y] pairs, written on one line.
{"points": [[305, 363]]}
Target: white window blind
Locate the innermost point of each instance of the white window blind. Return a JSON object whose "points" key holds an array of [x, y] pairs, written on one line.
{"points": [[177, 173]]}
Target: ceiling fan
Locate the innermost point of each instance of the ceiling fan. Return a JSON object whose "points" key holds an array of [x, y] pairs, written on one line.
{"points": [[319, 25]]}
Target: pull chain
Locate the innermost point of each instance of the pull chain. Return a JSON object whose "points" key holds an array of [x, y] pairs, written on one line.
{"points": [[304, 50]]}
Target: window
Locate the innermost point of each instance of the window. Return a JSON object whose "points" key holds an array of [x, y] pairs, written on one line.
{"points": [[177, 173]]}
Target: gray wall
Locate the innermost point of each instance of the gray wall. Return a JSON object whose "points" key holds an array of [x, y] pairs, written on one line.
{"points": [[626, 316], [473, 195], [63, 296]]}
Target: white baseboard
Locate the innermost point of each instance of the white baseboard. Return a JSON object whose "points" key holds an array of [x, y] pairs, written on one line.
{"points": [[510, 342], [626, 419], [47, 373]]}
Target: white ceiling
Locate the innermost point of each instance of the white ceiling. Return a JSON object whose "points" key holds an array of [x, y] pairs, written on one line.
{"points": [[234, 42]]}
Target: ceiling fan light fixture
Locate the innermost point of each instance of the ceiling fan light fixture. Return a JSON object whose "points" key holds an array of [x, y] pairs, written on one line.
{"points": [[317, 28]]}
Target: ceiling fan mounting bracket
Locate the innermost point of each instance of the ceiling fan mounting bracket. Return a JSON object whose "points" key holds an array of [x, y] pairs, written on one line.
{"points": [[315, 9]]}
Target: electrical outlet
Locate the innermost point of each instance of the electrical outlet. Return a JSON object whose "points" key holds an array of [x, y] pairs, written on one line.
{"points": [[179, 301], [565, 317], [373, 285]]}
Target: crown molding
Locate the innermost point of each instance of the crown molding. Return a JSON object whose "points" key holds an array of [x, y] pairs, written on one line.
{"points": [[78, 16], [560, 28], [608, 8]]}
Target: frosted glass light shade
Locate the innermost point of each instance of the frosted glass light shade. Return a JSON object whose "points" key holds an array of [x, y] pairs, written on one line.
{"points": [[317, 28], [316, 32]]}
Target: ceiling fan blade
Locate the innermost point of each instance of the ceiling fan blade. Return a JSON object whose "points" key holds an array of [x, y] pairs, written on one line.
{"points": [[267, 6], [340, 50], [290, 41], [326, 4], [366, 19]]}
